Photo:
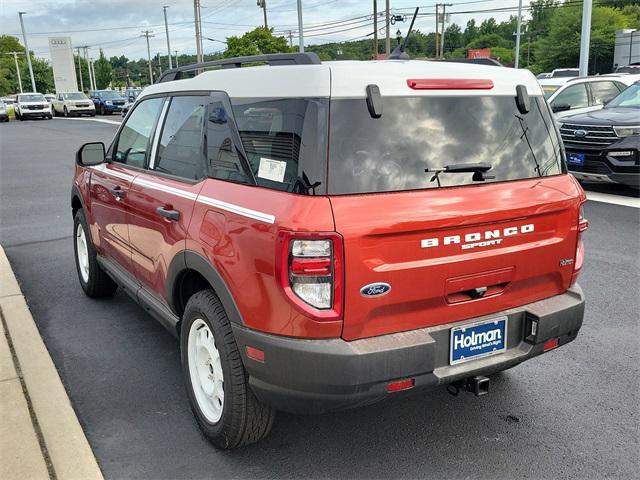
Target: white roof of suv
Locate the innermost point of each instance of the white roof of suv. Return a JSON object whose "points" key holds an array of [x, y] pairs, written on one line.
{"points": [[345, 79]]}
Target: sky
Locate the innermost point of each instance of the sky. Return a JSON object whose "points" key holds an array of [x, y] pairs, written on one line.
{"points": [[116, 25]]}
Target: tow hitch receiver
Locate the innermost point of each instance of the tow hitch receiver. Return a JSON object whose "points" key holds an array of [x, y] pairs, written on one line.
{"points": [[477, 385]]}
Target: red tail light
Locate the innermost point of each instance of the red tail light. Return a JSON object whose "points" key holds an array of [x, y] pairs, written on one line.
{"points": [[551, 344], [311, 272], [583, 225], [449, 84]]}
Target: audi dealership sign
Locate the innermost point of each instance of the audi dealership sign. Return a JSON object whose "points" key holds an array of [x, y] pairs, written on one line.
{"points": [[64, 73]]}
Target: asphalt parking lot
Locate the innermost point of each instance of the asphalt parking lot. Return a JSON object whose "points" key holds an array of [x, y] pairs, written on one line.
{"points": [[572, 413]]}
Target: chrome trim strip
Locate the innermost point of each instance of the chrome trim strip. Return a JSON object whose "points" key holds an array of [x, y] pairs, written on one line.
{"points": [[165, 188], [245, 212], [103, 168]]}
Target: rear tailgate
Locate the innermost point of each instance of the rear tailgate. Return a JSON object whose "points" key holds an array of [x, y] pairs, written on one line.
{"points": [[439, 249]]}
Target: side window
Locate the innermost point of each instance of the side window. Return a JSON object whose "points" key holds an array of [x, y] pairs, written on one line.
{"points": [[181, 150], [575, 96], [133, 144], [602, 92], [224, 162]]}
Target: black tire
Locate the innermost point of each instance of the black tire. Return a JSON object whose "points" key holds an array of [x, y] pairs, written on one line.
{"points": [[98, 284], [244, 420], [66, 112], [102, 110], [93, 114]]}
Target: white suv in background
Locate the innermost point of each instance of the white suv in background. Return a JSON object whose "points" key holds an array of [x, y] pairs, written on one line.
{"points": [[585, 94], [30, 105], [73, 103]]}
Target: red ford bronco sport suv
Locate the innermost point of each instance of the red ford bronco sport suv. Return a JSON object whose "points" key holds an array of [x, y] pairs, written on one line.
{"points": [[323, 235]]}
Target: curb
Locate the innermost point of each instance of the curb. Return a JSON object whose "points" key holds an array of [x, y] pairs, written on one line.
{"points": [[63, 443]]}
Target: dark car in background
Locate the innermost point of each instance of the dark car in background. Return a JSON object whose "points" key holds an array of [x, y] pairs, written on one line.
{"points": [[107, 101], [604, 145]]}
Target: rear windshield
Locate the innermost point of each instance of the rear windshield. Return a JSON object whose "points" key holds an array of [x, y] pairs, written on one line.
{"points": [[391, 153]]}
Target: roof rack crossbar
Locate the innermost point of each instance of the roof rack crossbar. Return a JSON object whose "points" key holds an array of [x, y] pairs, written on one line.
{"points": [[272, 59]]}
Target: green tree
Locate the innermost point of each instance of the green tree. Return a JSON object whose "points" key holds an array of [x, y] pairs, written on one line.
{"points": [[256, 42], [470, 32], [561, 47], [102, 67], [488, 26], [490, 40], [453, 38], [8, 76]]}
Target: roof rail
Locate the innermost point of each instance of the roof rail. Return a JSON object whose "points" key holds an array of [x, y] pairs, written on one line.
{"points": [[478, 61], [272, 59]]}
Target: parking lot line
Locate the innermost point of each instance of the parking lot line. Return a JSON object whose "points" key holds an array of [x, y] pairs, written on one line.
{"points": [[91, 119], [614, 199]]}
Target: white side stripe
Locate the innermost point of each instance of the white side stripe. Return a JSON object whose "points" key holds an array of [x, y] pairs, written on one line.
{"points": [[165, 188], [229, 207], [245, 212]]}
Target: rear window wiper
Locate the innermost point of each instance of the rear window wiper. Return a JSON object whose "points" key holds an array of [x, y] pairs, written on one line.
{"points": [[478, 169]]}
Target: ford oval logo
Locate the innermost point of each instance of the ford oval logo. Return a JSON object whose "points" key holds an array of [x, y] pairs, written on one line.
{"points": [[580, 133], [375, 289]]}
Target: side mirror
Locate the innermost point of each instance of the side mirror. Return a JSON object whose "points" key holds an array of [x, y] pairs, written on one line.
{"points": [[560, 107], [608, 99], [91, 154], [132, 98]]}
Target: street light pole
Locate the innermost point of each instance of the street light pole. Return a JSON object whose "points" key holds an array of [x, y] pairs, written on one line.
{"points": [[26, 47], [388, 34], [300, 31], [375, 29], [15, 57], [585, 36], [166, 29], [176, 52], [263, 4], [196, 15], [518, 28], [80, 70]]}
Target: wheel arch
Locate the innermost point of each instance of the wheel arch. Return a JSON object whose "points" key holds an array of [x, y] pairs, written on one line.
{"points": [[189, 273], [76, 200]]}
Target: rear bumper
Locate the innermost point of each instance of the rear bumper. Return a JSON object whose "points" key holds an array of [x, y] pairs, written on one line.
{"points": [[316, 376]]}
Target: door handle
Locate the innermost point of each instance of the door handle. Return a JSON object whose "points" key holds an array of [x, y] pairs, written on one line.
{"points": [[170, 214], [117, 192]]}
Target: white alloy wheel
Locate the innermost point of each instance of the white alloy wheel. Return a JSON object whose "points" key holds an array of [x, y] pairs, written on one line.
{"points": [[205, 370], [83, 253]]}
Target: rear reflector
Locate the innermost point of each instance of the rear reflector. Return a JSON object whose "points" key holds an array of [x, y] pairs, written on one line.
{"points": [[255, 354], [551, 344], [401, 385], [449, 84]]}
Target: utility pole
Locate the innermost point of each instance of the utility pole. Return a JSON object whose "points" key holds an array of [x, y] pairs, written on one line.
{"points": [[375, 29], [93, 74], [631, 45], [585, 36], [518, 28], [80, 70], [15, 57], [147, 34], [176, 52], [388, 34], [290, 39], [437, 28], [86, 57], [300, 30], [26, 47], [444, 21], [166, 29], [198, 25], [263, 4]]}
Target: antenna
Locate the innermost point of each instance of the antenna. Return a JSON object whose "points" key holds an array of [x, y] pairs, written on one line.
{"points": [[399, 52]]}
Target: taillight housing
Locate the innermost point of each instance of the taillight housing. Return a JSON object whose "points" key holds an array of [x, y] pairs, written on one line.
{"points": [[583, 225], [311, 272]]}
